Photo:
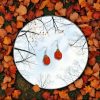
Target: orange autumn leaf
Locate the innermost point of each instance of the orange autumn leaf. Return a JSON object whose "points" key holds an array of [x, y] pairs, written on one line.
{"points": [[63, 94], [87, 30], [3, 33], [21, 18], [8, 16], [88, 71], [7, 40], [8, 98], [71, 87], [1, 20], [98, 94], [22, 10], [16, 94], [36, 88], [82, 3], [92, 92], [89, 14], [97, 6], [8, 28], [12, 8], [74, 16], [38, 13], [9, 49], [43, 4], [58, 5], [7, 79], [26, 2], [34, 1], [95, 83], [19, 24], [96, 68], [62, 12], [79, 83], [92, 61], [8, 58], [87, 89]]}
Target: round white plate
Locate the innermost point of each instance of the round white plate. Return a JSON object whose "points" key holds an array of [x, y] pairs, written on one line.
{"points": [[45, 33]]}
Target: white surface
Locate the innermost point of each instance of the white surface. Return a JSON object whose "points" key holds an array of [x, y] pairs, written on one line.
{"points": [[44, 34]]}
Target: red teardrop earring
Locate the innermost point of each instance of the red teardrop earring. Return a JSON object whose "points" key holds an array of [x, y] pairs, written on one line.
{"points": [[46, 59], [58, 54]]}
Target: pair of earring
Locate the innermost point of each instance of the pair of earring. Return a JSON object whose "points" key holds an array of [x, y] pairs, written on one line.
{"points": [[57, 55]]}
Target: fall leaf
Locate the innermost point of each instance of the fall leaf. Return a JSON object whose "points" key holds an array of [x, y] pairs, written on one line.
{"points": [[97, 6], [8, 58], [8, 98], [96, 15], [16, 94], [96, 67], [62, 12], [1, 68], [21, 18], [7, 79], [63, 95], [3, 33], [87, 30], [95, 83], [8, 28], [38, 13], [98, 94], [1, 21], [79, 83], [43, 4], [88, 71], [71, 87], [87, 89], [7, 40], [34, 1], [36, 88], [9, 91], [12, 69], [58, 5], [82, 3], [22, 10], [46, 95], [74, 16], [92, 61], [8, 16], [26, 2], [19, 24], [12, 8]]}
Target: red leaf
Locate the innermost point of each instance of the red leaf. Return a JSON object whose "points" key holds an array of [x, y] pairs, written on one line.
{"points": [[87, 30], [12, 69], [96, 15], [69, 11]]}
